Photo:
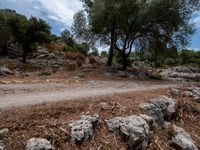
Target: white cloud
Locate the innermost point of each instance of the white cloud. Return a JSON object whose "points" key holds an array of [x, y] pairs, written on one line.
{"points": [[59, 13], [196, 19], [60, 10]]}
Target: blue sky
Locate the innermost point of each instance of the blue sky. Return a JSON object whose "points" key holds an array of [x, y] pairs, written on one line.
{"points": [[59, 13]]}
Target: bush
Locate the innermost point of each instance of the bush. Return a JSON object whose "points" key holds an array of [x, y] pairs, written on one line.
{"points": [[67, 48], [169, 61], [178, 61], [104, 54], [157, 64]]}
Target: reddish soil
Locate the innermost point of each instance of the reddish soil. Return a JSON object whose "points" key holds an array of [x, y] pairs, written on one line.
{"points": [[36, 121]]}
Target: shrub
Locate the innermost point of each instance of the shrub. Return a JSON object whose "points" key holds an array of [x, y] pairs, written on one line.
{"points": [[104, 54], [157, 64], [178, 61], [169, 61], [67, 48]]}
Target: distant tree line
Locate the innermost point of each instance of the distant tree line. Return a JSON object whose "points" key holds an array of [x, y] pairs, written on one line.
{"points": [[32, 32]]}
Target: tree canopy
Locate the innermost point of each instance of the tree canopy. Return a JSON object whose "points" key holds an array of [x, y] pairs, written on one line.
{"points": [[156, 25], [26, 32]]}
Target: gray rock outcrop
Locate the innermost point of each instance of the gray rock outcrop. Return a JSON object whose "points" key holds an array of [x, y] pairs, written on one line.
{"points": [[38, 144], [82, 130], [5, 71], [180, 73], [159, 109], [182, 140], [133, 129], [2, 146]]}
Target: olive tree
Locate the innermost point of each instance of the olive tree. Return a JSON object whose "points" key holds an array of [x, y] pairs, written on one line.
{"points": [[139, 24]]}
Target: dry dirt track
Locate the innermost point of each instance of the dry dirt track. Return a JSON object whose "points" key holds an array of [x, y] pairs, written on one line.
{"points": [[24, 94]]}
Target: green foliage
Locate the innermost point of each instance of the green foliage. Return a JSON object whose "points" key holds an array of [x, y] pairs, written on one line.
{"points": [[68, 48], [27, 32], [83, 48], [169, 61], [54, 38], [94, 53], [157, 64], [5, 33], [159, 26], [104, 54], [185, 57]]}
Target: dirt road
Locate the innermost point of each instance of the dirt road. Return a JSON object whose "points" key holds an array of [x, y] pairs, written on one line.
{"points": [[24, 94]]}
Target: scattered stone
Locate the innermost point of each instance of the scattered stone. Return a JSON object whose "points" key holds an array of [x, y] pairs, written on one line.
{"points": [[122, 74], [5, 71], [38, 144], [196, 99], [175, 91], [160, 109], [133, 129], [182, 140], [42, 56], [94, 119], [167, 125], [51, 56], [82, 130], [81, 76], [188, 93], [2, 146], [4, 132], [104, 106]]}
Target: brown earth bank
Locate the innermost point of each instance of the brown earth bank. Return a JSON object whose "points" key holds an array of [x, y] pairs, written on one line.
{"points": [[50, 121]]}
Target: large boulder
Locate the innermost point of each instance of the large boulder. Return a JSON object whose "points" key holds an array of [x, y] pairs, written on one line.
{"points": [[159, 109], [182, 140], [82, 130], [133, 129], [38, 144]]}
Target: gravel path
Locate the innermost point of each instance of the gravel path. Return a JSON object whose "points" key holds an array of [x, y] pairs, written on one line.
{"points": [[24, 94]]}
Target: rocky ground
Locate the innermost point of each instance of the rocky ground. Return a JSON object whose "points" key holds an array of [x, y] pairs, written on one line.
{"points": [[43, 63], [66, 101], [132, 120]]}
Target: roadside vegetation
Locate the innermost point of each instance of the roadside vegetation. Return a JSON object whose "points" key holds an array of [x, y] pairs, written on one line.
{"points": [[156, 32]]}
